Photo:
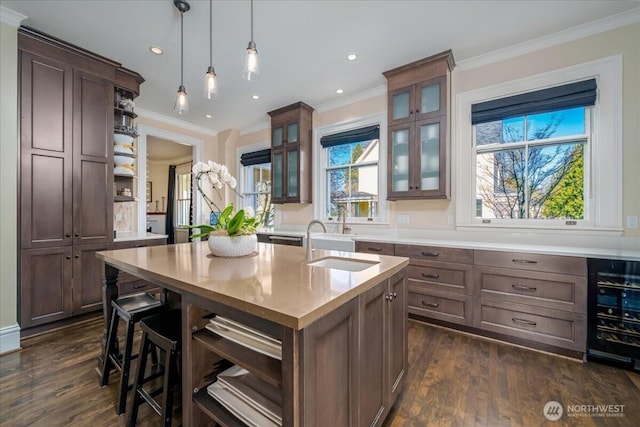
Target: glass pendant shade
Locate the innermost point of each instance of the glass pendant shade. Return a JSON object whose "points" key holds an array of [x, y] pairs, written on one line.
{"points": [[251, 69], [210, 84], [182, 103]]}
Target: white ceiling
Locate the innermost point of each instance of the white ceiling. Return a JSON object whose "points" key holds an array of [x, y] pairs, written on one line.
{"points": [[160, 149], [302, 44]]}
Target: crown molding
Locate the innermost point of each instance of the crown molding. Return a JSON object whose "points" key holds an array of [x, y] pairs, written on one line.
{"points": [[11, 17], [605, 24], [172, 121]]}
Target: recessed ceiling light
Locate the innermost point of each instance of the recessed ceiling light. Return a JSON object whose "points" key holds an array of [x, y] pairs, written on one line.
{"points": [[256, 96], [208, 116], [156, 50], [352, 57], [339, 91]]}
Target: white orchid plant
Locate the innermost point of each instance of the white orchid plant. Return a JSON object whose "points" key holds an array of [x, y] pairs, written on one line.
{"points": [[231, 223]]}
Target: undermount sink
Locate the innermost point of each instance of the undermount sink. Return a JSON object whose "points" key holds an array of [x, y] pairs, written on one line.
{"points": [[346, 264]]}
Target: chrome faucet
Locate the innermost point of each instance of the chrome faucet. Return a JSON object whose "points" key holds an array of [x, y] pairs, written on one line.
{"points": [[342, 212], [309, 244]]}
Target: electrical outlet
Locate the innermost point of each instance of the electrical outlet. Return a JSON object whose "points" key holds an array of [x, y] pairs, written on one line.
{"points": [[403, 218], [632, 221], [118, 217], [449, 219]]}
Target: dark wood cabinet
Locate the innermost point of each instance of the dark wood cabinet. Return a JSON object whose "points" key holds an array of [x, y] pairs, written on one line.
{"points": [[66, 176], [383, 327], [418, 120], [291, 135], [45, 285]]}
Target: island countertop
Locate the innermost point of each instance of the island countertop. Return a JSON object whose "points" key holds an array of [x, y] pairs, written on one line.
{"points": [[276, 284]]}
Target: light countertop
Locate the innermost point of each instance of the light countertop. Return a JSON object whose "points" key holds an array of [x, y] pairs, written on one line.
{"points": [[126, 237], [277, 284]]}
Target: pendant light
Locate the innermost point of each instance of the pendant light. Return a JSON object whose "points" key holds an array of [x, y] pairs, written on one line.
{"points": [[210, 78], [181, 105], [251, 70]]}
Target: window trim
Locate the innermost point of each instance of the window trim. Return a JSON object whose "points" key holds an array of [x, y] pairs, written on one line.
{"points": [[320, 160], [605, 185], [240, 175]]}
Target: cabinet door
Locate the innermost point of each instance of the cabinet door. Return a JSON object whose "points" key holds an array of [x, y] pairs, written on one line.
{"points": [[277, 135], [399, 181], [293, 175], [87, 278], [374, 361], [292, 135], [431, 99], [401, 105], [46, 152], [277, 171], [45, 285], [398, 323], [93, 151], [430, 176]]}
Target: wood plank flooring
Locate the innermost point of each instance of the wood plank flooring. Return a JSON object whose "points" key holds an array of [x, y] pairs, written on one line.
{"points": [[453, 380]]}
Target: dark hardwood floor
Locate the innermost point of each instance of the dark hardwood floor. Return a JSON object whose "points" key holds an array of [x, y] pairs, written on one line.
{"points": [[454, 379]]}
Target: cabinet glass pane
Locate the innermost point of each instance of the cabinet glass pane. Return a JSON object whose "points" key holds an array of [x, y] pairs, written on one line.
{"points": [[400, 107], [430, 98], [276, 136], [430, 156], [292, 133], [400, 160], [292, 173], [278, 175]]}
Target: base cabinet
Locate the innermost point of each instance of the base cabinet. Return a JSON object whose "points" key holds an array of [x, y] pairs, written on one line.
{"points": [[344, 369]]}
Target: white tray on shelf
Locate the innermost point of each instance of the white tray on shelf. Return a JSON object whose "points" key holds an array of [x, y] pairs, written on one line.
{"points": [[260, 345], [240, 328], [238, 408]]}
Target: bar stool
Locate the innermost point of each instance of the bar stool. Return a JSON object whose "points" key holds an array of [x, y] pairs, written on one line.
{"points": [[131, 309], [163, 331]]}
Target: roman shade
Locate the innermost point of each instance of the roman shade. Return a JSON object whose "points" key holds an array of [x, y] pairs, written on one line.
{"points": [[256, 157], [579, 94], [355, 135]]}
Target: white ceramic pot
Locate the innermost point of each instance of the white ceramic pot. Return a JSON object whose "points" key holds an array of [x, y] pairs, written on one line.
{"points": [[233, 246]]}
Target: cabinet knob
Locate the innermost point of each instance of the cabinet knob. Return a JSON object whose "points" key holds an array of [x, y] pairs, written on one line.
{"points": [[68, 235], [417, 110], [388, 297], [77, 234], [68, 257], [77, 256]]}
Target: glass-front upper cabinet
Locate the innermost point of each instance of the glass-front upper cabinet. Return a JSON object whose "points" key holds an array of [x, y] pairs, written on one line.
{"points": [[418, 114], [291, 153]]}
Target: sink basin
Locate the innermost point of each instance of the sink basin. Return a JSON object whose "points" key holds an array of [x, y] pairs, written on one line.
{"points": [[343, 263]]}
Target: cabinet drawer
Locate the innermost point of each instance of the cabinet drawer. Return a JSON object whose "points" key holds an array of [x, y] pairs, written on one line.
{"points": [[439, 305], [375, 248], [534, 262], [433, 253], [446, 277], [550, 290], [135, 286], [545, 326]]}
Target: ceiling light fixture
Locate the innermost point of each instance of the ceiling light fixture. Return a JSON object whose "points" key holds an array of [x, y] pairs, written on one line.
{"points": [[339, 91], [352, 57], [181, 105], [256, 96], [208, 116], [251, 69], [156, 50], [210, 78]]}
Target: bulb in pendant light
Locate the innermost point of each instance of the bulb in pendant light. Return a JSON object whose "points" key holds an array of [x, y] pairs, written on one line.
{"points": [[182, 103], [251, 70], [210, 84]]}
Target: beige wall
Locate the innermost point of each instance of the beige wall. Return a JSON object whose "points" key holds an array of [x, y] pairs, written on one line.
{"points": [[8, 175]]}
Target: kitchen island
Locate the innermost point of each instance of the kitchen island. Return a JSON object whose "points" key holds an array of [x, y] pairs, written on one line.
{"points": [[342, 327]]}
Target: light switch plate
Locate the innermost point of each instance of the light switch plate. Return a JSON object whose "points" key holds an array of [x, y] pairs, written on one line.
{"points": [[403, 218], [632, 221]]}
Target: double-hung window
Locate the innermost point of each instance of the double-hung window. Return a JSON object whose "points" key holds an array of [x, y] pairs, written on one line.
{"points": [[256, 183], [351, 174], [183, 196], [548, 157]]}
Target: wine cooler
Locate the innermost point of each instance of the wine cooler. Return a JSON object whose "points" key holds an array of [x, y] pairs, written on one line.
{"points": [[614, 312]]}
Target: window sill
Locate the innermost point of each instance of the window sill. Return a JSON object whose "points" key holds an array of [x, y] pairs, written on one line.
{"points": [[537, 229]]}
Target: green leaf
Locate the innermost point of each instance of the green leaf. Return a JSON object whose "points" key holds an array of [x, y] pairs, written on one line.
{"points": [[235, 223]]}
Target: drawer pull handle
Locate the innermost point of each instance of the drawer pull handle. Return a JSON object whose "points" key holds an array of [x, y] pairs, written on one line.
{"points": [[139, 286], [524, 261], [431, 304], [434, 254], [524, 288], [370, 248], [523, 322], [430, 276]]}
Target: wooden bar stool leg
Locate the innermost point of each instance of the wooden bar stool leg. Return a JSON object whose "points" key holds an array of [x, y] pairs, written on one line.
{"points": [[110, 349], [126, 365], [147, 346], [168, 382]]}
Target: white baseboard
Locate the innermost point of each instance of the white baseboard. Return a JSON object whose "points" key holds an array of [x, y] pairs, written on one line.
{"points": [[9, 338]]}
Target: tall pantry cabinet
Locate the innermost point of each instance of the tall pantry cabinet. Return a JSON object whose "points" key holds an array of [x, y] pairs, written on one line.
{"points": [[66, 174]]}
